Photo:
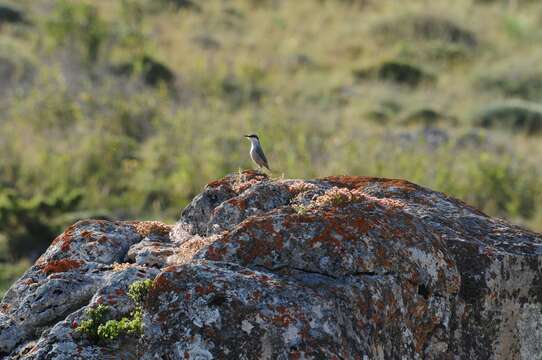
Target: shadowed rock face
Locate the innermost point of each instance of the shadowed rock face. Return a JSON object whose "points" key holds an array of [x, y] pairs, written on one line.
{"points": [[341, 267]]}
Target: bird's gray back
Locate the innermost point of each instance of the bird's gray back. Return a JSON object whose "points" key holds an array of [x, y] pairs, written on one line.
{"points": [[256, 152]]}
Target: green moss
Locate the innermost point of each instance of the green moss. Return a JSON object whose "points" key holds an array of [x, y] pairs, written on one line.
{"points": [[99, 328], [112, 329], [95, 318], [300, 209], [139, 290]]}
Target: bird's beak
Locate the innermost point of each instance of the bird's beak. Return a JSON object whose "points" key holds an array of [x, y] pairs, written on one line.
{"points": [[246, 136]]}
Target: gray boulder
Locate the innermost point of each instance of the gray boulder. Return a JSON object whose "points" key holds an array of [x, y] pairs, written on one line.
{"points": [[340, 267]]}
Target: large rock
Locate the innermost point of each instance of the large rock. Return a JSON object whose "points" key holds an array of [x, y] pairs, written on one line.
{"points": [[341, 267]]}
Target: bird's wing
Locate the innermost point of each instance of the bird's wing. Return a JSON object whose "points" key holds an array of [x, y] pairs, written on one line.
{"points": [[260, 153]]}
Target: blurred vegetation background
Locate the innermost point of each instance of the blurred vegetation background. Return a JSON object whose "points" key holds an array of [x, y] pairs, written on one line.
{"points": [[125, 109]]}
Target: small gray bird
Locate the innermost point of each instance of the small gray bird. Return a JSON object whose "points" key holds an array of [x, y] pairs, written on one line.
{"points": [[256, 152]]}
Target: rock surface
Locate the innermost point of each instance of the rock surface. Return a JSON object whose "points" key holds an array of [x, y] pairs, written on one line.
{"points": [[334, 268]]}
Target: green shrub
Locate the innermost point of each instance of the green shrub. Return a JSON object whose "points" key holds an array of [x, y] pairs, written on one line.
{"points": [[10, 14], [96, 317], [112, 329], [427, 117], [30, 224], [139, 290], [99, 328], [79, 26], [152, 71], [426, 27], [517, 83], [396, 72], [300, 209], [516, 116]]}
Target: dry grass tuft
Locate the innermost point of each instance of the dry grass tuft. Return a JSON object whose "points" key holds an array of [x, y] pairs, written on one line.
{"points": [[145, 228]]}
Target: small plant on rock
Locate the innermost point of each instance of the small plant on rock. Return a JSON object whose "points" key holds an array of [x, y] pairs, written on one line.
{"points": [[95, 318], [300, 209], [336, 196], [97, 327], [139, 290], [112, 329]]}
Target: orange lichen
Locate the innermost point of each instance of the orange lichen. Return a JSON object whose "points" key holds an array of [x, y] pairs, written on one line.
{"points": [[326, 237], [247, 251], [145, 228], [283, 319], [111, 300], [257, 295], [28, 281], [240, 186], [66, 243], [255, 249], [86, 234], [65, 240], [162, 284], [120, 292], [240, 182], [201, 290], [336, 229], [239, 203], [361, 224], [360, 182], [218, 183], [63, 265]]}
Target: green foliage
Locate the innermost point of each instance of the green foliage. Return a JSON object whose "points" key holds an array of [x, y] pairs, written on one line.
{"points": [[112, 329], [96, 317], [396, 72], [427, 27], [300, 209], [80, 27], [26, 220], [517, 79], [99, 328], [139, 290], [519, 116]]}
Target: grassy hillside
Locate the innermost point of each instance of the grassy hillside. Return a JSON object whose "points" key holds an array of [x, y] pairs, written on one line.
{"points": [[125, 109]]}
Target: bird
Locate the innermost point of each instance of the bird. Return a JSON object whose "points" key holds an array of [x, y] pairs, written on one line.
{"points": [[256, 152]]}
